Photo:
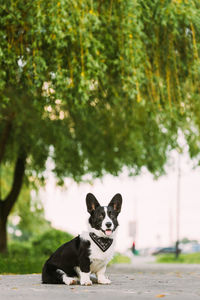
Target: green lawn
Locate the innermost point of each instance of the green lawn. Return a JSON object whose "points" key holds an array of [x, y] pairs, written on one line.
{"points": [[120, 259], [193, 258]]}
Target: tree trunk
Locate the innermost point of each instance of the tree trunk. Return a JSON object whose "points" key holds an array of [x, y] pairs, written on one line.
{"points": [[3, 235], [7, 204], [4, 137]]}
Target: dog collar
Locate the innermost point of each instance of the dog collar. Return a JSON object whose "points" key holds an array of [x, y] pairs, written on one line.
{"points": [[102, 243]]}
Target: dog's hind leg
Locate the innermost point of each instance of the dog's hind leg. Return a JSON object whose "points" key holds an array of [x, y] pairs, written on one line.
{"points": [[66, 279], [49, 274], [52, 275]]}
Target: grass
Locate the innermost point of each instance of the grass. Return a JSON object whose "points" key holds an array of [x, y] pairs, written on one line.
{"points": [[193, 258], [120, 259]]}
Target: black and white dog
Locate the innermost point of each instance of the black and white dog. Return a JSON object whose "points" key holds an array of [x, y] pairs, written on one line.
{"points": [[89, 252]]}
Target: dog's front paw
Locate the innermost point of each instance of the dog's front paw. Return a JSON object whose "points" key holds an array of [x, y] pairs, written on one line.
{"points": [[104, 280], [85, 278], [86, 282]]}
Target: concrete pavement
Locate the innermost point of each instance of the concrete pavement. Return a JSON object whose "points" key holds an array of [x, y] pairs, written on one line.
{"points": [[140, 280]]}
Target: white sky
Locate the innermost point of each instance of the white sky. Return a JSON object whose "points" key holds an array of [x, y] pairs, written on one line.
{"points": [[151, 203]]}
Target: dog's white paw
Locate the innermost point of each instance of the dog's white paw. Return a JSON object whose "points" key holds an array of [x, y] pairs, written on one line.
{"points": [[69, 280], [104, 280], [86, 282], [85, 278]]}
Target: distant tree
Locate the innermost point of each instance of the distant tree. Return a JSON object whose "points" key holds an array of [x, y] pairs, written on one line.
{"points": [[31, 218], [187, 241], [96, 85]]}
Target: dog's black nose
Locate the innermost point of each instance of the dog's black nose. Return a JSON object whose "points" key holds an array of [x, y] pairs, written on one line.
{"points": [[108, 224]]}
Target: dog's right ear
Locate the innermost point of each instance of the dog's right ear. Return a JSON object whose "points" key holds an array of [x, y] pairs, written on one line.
{"points": [[91, 202]]}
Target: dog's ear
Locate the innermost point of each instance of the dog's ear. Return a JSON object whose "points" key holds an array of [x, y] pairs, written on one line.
{"points": [[116, 203], [91, 202]]}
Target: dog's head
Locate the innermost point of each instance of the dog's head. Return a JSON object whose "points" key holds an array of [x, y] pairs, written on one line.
{"points": [[103, 219]]}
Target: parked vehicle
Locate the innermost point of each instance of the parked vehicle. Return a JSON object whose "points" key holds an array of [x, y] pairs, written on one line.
{"points": [[165, 250]]}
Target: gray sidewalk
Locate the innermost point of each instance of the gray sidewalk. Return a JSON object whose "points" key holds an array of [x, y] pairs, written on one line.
{"points": [[139, 281]]}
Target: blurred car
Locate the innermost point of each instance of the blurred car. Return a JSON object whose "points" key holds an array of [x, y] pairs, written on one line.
{"points": [[164, 250], [153, 250]]}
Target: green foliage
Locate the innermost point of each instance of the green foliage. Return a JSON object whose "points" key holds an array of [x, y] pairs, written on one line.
{"points": [[185, 240], [18, 265], [29, 257], [49, 241], [106, 83], [21, 259], [17, 248], [32, 221], [193, 258]]}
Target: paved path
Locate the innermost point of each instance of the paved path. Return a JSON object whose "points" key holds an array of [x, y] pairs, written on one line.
{"points": [[138, 281]]}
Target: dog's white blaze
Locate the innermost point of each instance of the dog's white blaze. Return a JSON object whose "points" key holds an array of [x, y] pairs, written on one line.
{"points": [[106, 220]]}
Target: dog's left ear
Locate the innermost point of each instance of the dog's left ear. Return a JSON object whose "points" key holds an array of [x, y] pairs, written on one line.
{"points": [[116, 203]]}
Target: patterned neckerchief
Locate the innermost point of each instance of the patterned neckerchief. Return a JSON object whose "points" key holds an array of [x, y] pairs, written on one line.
{"points": [[102, 243]]}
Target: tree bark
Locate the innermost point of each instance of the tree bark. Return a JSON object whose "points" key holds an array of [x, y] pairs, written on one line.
{"points": [[3, 235], [4, 137], [7, 204]]}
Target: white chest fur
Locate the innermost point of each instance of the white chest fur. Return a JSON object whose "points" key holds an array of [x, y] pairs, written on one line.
{"points": [[98, 258]]}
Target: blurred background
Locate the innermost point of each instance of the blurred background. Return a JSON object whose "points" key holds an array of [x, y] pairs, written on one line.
{"points": [[149, 214], [101, 97]]}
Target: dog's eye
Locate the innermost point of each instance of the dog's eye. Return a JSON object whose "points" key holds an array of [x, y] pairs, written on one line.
{"points": [[112, 215]]}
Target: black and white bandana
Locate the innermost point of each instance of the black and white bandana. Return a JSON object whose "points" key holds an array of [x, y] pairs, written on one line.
{"points": [[102, 243]]}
